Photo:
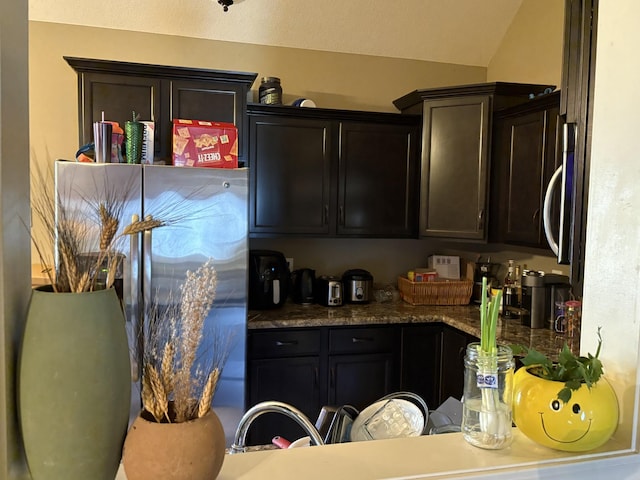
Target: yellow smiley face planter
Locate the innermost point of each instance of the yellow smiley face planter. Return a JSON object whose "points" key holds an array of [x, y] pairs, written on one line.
{"points": [[585, 423]]}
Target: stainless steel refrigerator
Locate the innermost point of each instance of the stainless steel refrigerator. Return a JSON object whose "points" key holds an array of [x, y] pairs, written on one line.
{"points": [[207, 213]]}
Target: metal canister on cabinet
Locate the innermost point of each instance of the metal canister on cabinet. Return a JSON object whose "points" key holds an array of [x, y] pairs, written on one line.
{"points": [[270, 91]]}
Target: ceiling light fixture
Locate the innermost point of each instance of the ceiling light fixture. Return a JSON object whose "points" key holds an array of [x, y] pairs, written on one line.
{"points": [[225, 4]]}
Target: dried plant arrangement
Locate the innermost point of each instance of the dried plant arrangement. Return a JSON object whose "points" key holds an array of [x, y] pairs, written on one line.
{"points": [[73, 264], [87, 240], [179, 373]]}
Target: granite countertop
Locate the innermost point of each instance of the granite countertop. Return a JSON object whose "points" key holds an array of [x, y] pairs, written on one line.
{"points": [[465, 318]]}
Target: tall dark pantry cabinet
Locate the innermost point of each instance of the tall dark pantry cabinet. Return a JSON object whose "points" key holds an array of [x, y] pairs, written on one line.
{"points": [[581, 19]]}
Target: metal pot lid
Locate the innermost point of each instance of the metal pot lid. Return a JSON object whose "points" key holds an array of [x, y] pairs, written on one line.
{"points": [[356, 274]]}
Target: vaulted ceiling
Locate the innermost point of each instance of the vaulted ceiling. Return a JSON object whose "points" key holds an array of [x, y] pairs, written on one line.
{"points": [[454, 31]]}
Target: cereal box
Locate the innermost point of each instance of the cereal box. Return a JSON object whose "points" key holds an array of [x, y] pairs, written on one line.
{"points": [[198, 143]]}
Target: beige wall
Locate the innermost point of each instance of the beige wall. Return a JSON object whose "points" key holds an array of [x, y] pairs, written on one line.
{"points": [[531, 51], [333, 80]]}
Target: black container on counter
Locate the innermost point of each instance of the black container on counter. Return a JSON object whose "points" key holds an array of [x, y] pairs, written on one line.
{"points": [[270, 91], [269, 279], [302, 286]]}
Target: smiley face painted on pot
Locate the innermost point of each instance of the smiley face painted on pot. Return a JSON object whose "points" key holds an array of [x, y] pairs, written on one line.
{"points": [[585, 423]]}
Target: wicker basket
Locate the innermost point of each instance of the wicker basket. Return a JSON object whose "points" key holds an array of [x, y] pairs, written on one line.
{"points": [[452, 292]]}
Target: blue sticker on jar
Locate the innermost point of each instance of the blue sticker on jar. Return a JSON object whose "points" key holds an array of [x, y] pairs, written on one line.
{"points": [[487, 380]]}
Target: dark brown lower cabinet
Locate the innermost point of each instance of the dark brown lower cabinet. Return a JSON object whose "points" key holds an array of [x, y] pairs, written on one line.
{"points": [[284, 365], [312, 367], [360, 380], [290, 380], [454, 347], [421, 351], [362, 364]]}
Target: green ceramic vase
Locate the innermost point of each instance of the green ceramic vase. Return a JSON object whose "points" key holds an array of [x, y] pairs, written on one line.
{"points": [[74, 385]]}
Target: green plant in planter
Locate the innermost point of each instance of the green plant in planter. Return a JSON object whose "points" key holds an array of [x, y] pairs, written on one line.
{"points": [[565, 405], [572, 370]]}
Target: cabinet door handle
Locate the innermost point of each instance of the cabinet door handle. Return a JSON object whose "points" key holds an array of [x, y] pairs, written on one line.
{"points": [[361, 340], [316, 377], [341, 215], [326, 215], [535, 215], [286, 343], [332, 377], [480, 219]]}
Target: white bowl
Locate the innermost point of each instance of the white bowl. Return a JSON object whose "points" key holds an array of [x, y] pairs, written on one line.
{"points": [[388, 419]]}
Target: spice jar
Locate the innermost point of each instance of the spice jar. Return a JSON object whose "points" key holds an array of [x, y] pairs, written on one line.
{"points": [[270, 91], [572, 318]]}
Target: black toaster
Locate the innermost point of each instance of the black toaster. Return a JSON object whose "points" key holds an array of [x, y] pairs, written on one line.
{"points": [[328, 291]]}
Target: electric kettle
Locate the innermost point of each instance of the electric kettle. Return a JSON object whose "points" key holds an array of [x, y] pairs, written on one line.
{"points": [[302, 284]]}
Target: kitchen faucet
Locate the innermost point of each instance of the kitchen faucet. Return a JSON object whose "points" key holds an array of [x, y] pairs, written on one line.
{"points": [[272, 407]]}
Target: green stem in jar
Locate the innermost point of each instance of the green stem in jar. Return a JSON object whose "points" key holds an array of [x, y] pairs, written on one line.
{"points": [[493, 421], [489, 320]]}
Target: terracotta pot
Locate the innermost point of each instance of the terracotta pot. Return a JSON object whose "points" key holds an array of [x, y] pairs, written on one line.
{"points": [[74, 385], [192, 450], [586, 422]]}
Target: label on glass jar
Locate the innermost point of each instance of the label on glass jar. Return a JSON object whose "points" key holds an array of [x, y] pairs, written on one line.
{"points": [[270, 96], [487, 380]]}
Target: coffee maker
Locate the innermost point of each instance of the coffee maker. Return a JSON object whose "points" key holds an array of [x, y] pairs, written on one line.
{"points": [[540, 292]]}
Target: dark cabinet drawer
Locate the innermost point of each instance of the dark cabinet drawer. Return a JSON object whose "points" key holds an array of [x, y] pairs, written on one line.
{"points": [[281, 343], [361, 340]]}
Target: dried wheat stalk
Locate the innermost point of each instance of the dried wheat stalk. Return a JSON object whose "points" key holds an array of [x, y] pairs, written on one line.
{"points": [[138, 226], [155, 401], [108, 226], [197, 296], [166, 368], [207, 393], [148, 398], [171, 346], [83, 283], [112, 268]]}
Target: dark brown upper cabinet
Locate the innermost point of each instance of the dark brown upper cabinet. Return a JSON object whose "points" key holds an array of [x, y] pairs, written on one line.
{"points": [[456, 147], [526, 153], [160, 93], [321, 172]]}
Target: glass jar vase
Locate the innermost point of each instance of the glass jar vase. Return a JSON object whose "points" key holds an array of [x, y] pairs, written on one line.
{"points": [[486, 403]]}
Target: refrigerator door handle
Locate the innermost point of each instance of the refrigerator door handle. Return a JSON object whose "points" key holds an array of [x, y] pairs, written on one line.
{"points": [[134, 314], [146, 266], [547, 210]]}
